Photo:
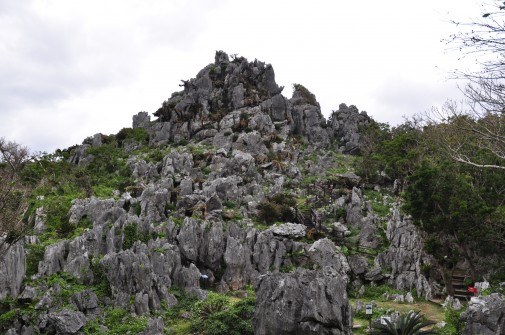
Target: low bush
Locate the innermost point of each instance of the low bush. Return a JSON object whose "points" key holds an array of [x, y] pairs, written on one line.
{"points": [[279, 207], [216, 316]]}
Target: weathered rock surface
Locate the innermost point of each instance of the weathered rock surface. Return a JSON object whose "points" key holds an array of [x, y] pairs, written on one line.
{"points": [[67, 321], [345, 123], [405, 255], [303, 302], [485, 315], [12, 271], [189, 213]]}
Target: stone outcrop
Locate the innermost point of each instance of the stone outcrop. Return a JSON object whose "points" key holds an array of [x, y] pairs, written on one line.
{"points": [[405, 255], [230, 96], [303, 302], [345, 124], [485, 315], [12, 271]]}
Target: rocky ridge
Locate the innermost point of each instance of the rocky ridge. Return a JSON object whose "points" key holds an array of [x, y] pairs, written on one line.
{"points": [[228, 143]]}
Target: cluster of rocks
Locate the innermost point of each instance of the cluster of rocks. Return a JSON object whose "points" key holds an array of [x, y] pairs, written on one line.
{"points": [[230, 96], [140, 245]]}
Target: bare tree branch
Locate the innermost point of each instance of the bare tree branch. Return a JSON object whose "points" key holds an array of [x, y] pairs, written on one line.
{"points": [[13, 193]]}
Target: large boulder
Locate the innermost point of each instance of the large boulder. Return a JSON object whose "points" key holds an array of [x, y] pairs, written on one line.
{"points": [[303, 302], [345, 125], [67, 321], [404, 255], [485, 315], [12, 271]]}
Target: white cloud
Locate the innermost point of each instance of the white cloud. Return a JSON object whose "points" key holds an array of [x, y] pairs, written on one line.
{"points": [[70, 69]]}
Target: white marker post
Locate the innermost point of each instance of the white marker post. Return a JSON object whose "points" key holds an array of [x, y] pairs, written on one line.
{"points": [[369, 312]]}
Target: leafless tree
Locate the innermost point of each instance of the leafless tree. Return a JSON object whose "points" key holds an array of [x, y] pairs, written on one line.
{"points": [[470, 135], [482, 38], [13, 193], [474, 132]]}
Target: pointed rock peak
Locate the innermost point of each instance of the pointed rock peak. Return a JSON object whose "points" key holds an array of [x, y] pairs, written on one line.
{"points": [[220, 88], [301, 95], [221, 58]]}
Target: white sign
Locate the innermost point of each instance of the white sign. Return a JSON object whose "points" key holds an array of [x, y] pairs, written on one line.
{"points": [[384, 318], [368, 309]]}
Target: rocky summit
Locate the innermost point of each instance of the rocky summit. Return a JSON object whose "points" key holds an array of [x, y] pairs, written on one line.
{"points": [[233, 210]]}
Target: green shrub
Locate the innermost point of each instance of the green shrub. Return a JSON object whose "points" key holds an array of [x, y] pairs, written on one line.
{"points": [[130, 234], [277, 208], [214, 303], [222, 318], [119, 321], [137, 208], [7, 318], [34, 256], [139, 135], [100, 281], [305, 93], [454, 325]]}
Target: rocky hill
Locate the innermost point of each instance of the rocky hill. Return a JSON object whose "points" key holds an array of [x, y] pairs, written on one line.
{"points": [[231, 189]]}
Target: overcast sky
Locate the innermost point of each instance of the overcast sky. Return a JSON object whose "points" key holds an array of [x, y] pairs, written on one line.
{"points": [[70, 69]]}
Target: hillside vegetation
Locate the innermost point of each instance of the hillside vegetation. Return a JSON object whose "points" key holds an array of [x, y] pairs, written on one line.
{"points": [[237, 204]]}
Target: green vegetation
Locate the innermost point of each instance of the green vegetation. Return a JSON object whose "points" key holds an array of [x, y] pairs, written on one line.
{"points": [[277, 208], [454, 325], [447, 198], [376, 292], [379, 206], [100, 282], [305, 93], [132, 233], [118, 321], [411, 323], [34, 256], [432, 311], [137, 135], [216, 315]]}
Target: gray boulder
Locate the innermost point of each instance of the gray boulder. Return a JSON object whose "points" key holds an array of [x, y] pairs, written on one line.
{"points": [[12, 271], [358, 264], [86, 301], [404, 255], [303, 302], [289, 229], [485, 315], [141, 120], [325, 253], [345, 124], [67, 321], [54, 258]]}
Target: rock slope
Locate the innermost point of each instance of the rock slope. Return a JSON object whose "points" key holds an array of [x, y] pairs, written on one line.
{"points": [[224, 156]]}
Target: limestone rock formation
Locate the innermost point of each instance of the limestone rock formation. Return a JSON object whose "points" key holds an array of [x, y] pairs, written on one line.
{"points": [[405, 255], [195, 181], [303, 302], [12, 271], [485, 315]]}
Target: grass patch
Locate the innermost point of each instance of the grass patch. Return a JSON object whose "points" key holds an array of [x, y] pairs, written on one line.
{"points": [[431, 311]]}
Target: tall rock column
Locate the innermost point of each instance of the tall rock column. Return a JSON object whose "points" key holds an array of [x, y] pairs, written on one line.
{"points": [[12, 271]]}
